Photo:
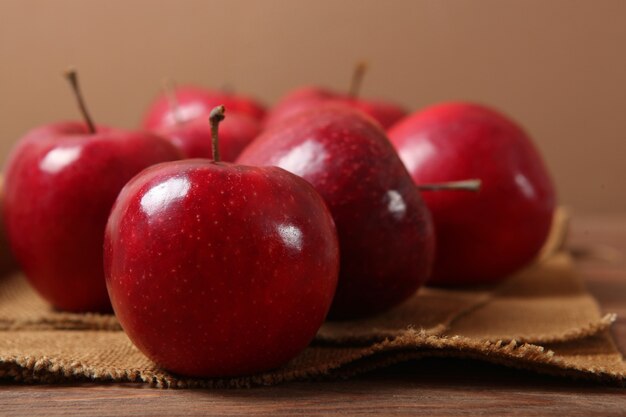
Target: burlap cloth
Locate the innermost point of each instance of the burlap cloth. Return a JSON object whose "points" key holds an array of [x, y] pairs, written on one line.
{"points": [[541, 319]]}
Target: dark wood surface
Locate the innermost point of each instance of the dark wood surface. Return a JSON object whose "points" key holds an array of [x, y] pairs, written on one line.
{"points": [[430, 387]]}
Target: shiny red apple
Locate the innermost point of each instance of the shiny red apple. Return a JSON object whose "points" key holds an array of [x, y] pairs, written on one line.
{"points": [[217, 269], [481, 237], [190, 102], [60, 183], [307, 98], [193, 137], [385, 231]]}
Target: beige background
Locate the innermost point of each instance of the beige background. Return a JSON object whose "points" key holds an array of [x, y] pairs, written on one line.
{"points": [[558, 66]]}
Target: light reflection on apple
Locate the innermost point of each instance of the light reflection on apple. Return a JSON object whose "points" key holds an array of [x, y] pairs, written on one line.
{"points": [[416, 153], [291, 235], [183, 113], [396, 204], [527, 188], [57, 159], [305, 158], [160, 196]]}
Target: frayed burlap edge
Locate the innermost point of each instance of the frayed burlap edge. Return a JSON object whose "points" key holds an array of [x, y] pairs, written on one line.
{"points": [[591, 329], [410, 346]]}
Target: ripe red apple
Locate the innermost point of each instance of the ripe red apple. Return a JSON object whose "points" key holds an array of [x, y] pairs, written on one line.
{"points": [[307, 98], [385, 231], [193, 137], [60, 184], [193, 102], [486, 236], [217, 269]]}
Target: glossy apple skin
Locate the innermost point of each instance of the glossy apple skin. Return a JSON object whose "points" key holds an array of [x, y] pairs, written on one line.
{"points": [[60, 185], [385, 231], [193, 137], [197, 102], [217, 269], [308, 98], [481, 237]]}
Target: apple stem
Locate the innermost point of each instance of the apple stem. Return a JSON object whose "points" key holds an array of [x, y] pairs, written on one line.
{"points": [[357, 79], [467, 185], [72, 76], [215, 117], [169, 87]]}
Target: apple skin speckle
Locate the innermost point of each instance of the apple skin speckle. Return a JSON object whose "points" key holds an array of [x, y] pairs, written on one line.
{"points": [[245, 285]]}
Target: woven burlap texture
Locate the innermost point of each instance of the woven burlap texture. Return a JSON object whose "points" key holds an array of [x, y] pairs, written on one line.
{"points": [[541, 319]]}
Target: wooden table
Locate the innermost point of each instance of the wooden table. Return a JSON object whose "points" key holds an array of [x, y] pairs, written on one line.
{"points": [[432, 387]]}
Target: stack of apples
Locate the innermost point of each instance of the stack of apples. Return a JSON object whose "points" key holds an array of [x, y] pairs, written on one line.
{"points": [[222, 235]]}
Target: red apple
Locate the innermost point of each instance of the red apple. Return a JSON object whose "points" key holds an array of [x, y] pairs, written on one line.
{"points": [[60, 184], [193, 102], [217, 269], [307, 98], [486, 236], [193, 137], [297, 101], [385, 231]]}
